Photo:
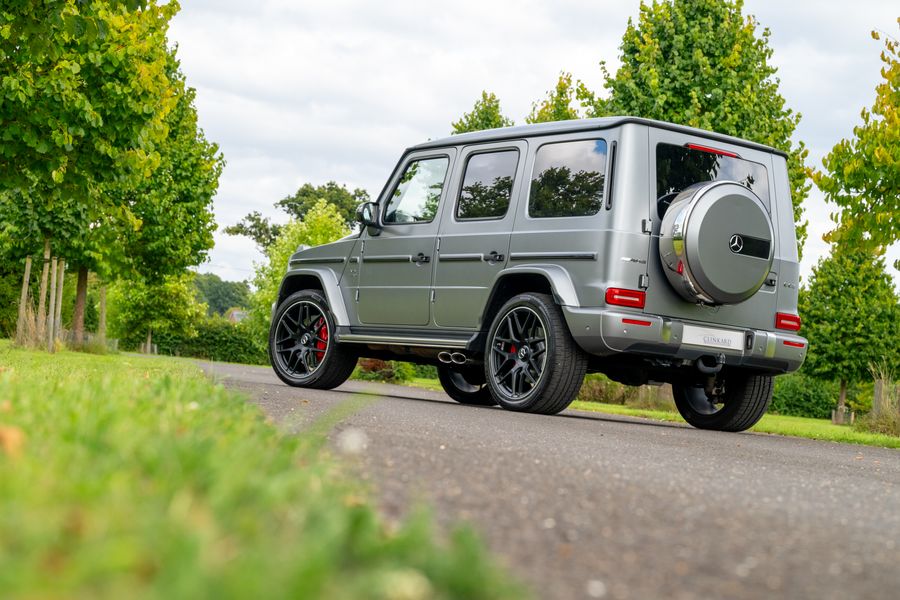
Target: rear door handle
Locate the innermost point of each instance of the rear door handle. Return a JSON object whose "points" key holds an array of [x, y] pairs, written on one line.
{"points": [[421, 258], [494, 257]]}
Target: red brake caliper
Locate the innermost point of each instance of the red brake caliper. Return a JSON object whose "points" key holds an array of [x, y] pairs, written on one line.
{"points": [[323, 343]]}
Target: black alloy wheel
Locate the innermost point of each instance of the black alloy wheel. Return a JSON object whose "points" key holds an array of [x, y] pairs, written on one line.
{"points": [[738, 404], [301, 347], [532, 364]]}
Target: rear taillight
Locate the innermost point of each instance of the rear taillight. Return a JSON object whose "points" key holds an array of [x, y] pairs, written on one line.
{"points": [[786, 321], [623, 297]]}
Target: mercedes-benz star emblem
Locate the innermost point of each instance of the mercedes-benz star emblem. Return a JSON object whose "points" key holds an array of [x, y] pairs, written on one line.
{"points": [[736, 243]]}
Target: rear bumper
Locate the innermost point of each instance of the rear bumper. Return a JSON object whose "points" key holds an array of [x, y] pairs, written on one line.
{"points": [[605, 332]]}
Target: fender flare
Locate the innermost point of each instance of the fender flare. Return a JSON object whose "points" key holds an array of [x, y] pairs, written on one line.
{"points": [[560, 281], [330, 287]]}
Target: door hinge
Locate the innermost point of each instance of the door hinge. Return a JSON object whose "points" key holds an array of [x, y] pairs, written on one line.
{"points": [[438, 247], [432, 295], [362, 248], [643, 281], [357, 295], [646, 226]]}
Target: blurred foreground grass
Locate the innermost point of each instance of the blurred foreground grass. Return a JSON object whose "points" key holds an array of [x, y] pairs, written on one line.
{"points": [[134, 477]]}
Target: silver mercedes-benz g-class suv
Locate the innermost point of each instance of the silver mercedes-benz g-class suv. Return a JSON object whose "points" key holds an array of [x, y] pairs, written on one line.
{"points": [[519, 259]]}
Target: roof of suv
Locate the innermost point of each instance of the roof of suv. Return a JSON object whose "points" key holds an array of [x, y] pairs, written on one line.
{"points": [[538, 129]]}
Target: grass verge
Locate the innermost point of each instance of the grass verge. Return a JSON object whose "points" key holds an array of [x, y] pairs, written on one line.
{"points": [[136, 477], [816, 429]]}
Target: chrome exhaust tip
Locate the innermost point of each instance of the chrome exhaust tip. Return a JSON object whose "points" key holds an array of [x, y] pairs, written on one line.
{"points": [[445, 357], [459, 358]]}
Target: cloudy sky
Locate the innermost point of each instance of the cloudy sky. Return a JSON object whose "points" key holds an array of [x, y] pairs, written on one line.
{"points": [[301, 91]]}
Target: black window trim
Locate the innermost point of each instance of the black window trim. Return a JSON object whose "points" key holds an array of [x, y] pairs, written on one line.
{"points": [[462, 177], [400, 173], [592, 138]]}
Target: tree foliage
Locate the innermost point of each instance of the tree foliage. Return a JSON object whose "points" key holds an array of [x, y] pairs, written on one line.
{"points": [[486, 114], [560, 104], [851, 316], [323, 223], [168, 306], [703, 63], [220, 295], [262, 231], [258, 228], [863, 174]]}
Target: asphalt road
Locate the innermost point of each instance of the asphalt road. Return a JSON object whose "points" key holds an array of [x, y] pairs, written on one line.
{"points": [[583, 505]]}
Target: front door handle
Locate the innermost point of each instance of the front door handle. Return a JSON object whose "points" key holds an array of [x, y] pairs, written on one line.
{"points": [[495, 257], [421, 258]]}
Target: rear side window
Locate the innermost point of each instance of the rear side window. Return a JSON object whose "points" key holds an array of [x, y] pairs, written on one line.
{"points": [[568, 179], [678, 167], [487, 185], [416, 197]]}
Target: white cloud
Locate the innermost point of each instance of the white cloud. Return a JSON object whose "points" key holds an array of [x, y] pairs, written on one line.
{"points": [[308, 91]]}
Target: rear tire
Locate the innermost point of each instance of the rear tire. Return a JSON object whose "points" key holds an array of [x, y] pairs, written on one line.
{"points": [[465, 385], [532, 364], [743, 403], [302, 348]]}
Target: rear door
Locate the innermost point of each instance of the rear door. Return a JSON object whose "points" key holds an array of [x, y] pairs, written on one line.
{"points": [[473, 244], [677, 161], [397, 265]]}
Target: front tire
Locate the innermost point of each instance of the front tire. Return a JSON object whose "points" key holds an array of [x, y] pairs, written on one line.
{"points": [[745, 399], [532, 364], [466, 385], [301, 345]]}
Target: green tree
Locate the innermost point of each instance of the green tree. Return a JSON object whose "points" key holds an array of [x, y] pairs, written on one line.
{"points": [[220, 295], [83, 103], [297, 205], [258, 228], [561, 103], [323, 223], [863, 174], [703, 63], [486, 114], [851, 317], [167, 306]]}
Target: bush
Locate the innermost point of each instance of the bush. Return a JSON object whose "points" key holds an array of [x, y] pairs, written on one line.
{"points": [[888, 422], [390, 371], [802, 396], [216, 339], [599, 388]]}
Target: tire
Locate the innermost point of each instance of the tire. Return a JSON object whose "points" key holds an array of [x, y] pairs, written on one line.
{"points": [[745, 400], [301, 348], [465, 385], [542, 346]]}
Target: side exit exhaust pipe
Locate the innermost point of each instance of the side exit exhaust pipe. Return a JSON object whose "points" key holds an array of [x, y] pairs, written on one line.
{"points": [[459, 358], [445, 357]]}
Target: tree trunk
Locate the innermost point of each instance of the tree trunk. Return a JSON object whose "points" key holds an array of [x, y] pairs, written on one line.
{"points": [[41, 316], [840, 415], [78, 313], [57, 318], [23, 300], [101, 325], [878, 403], [51, 309], [149, 347]]}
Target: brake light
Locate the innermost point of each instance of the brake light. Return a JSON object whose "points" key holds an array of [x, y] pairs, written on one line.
{"points": [[794, 344], [787, 321], [712, 150], [623, 297]]}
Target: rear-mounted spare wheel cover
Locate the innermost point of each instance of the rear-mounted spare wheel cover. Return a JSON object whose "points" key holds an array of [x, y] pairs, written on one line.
{"points": [[716, 243]]}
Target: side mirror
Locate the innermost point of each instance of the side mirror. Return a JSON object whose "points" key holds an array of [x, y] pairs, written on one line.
{"points": [[367, 214]]}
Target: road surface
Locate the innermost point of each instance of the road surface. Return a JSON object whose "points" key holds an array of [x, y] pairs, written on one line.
{"points": [[584, 505]]}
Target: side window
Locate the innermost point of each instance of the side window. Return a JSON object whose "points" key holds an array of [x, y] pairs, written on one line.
{"points": [[416, 197], [487, 185], [568, 179]]}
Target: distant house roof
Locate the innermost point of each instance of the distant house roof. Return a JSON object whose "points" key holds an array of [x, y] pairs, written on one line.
{"points": [[538, 129]]}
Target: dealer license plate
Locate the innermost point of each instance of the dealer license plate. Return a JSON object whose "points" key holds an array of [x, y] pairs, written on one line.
{"points": [[713, 338]]}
